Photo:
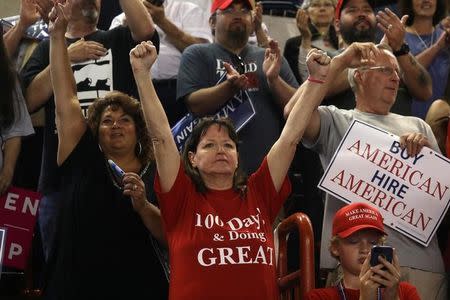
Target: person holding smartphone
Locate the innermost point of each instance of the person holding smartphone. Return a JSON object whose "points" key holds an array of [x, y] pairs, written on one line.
{"points": [[358, 232]]}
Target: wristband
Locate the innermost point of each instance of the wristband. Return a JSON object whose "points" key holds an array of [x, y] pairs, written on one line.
{"points": [[312, 79]]}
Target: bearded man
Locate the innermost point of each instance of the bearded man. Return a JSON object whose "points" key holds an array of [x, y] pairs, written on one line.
{"points": [[211, 74], [356, 21]]}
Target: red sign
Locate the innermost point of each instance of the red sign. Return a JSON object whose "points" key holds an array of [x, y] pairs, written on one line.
{"points": [[18, 212]]}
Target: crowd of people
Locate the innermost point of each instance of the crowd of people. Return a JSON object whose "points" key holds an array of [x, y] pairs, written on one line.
{"points": [[171, 143]]}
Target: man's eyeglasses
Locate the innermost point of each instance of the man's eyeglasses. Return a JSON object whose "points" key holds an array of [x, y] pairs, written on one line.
{"points": [[233, 11], [388, 71], [238, 64]]}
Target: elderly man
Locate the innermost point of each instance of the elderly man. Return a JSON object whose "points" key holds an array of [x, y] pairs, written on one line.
{"points": [[100, 64], [207, 80], [355, 21], [375, 86]]}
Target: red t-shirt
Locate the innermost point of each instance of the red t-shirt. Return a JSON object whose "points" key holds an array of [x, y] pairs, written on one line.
{"points": [[406, 292], [220, 244]]}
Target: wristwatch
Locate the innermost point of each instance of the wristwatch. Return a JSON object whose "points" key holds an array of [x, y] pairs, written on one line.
{"points": [[404, 49]]}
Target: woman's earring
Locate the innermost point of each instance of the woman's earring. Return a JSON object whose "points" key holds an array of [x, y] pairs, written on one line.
{"points": [[140, 148]]}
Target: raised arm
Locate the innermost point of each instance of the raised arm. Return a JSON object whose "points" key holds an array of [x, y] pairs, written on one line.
{"points": [[70, 122], [306, 100], [357, 54], [178, 37], [261, 36], [414, 75], [138, 19], [167, 157], [28, 16]]}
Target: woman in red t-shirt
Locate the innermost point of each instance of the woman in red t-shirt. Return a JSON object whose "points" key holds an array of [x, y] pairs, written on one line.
{"points": [[218, 224]]}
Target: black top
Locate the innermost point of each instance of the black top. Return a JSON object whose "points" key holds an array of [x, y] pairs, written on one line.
{"points": [[93, 79], [102, 250]]}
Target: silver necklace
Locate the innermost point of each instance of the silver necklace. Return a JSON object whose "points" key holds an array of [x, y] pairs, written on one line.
{"points": [[422, 41]]}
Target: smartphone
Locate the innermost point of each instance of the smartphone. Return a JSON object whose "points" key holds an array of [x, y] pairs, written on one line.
{"points": [[118, 172], [156, 2], [384, 251]]}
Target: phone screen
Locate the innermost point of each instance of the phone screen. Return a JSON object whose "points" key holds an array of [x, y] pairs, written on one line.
{"points": [[384, 251]]}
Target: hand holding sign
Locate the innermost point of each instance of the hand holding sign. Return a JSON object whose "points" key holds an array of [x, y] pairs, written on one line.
{"points": [[412, 192], [413, 142]]}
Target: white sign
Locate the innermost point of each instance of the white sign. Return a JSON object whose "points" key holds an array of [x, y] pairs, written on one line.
{"points": [[2, 247], [412, 193]]}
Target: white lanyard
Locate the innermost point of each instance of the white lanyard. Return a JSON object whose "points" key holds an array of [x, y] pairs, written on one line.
{"points": [[342, 296]]}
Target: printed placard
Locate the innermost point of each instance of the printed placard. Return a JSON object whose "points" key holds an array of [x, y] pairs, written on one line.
{"points": [[18, 212], [2, 247], [412, 193]]}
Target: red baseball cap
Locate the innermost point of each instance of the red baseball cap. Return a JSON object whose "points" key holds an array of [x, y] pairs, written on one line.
{"points": [[223, 4], [340, 6], [357, 216]]}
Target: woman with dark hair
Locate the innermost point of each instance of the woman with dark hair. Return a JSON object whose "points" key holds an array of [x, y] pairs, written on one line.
{"points": [[15, 121], [430, 43], [103, 249], [315, 23], [218, 224]]}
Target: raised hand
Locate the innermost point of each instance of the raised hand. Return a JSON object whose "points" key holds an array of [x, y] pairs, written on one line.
{"points": [[272, 61], [302, 20], [83, 50], [59, 17], [238, 81], [29, 13], [142, 57], [358, 54], [318, 63], [444, 40], [257, 16], [44, 7], [393, 28], [157, 12]]}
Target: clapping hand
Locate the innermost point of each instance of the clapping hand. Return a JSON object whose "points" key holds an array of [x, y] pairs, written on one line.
{"points": [[238, 81], [59, 17], [29, 13], [302, 20], [272, 61], [393, 28]]}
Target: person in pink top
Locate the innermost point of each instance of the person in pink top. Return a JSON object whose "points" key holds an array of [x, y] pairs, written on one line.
{"points": [[358, 227]]}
